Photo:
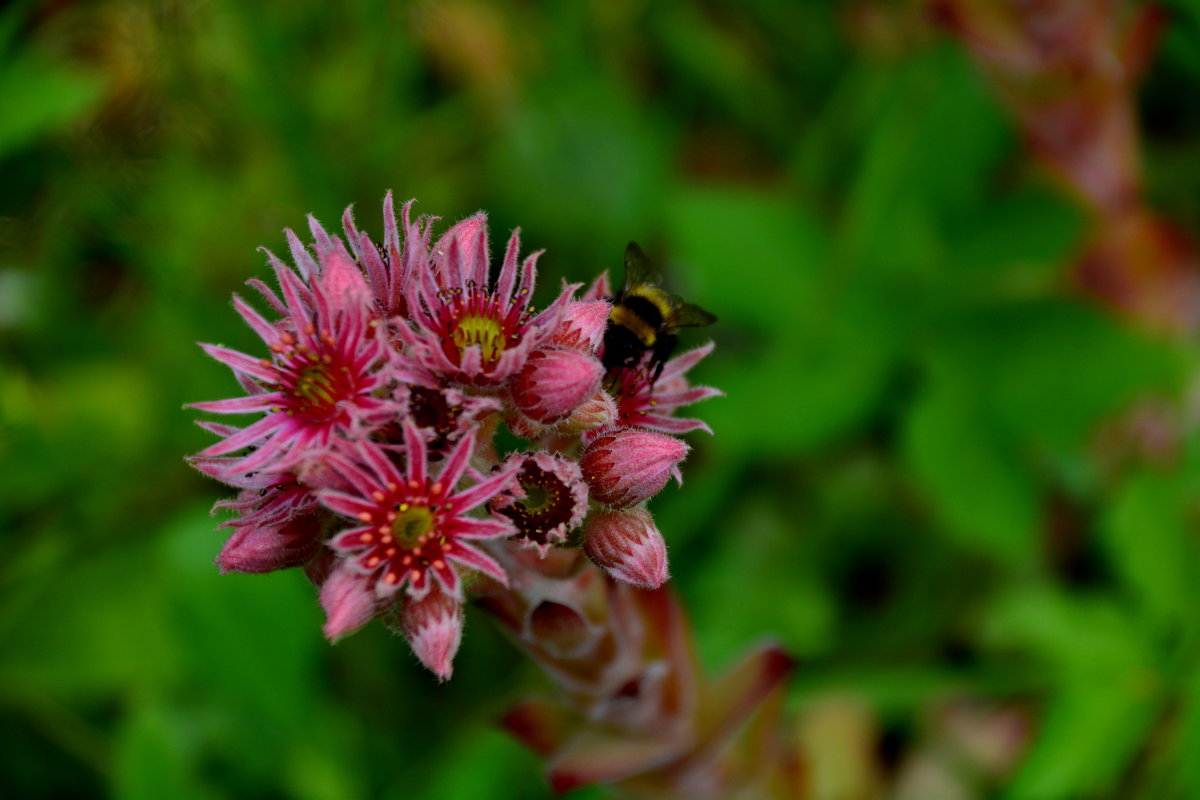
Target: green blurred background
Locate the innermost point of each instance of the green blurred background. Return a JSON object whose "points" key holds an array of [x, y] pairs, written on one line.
{"points": [[939, 470]]}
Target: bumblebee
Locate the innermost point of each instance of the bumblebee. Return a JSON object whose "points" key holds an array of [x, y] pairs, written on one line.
{"points": [[644, 318]]}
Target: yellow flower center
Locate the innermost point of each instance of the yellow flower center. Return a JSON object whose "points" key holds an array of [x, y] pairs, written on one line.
{"points": [[483, 332], [315, 389], [412, 522]]}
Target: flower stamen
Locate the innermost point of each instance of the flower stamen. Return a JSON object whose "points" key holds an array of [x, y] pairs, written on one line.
{"points": [[485, 333]]}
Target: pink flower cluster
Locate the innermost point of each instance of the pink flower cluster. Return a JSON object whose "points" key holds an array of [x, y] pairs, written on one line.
{"points": [[373, 462]]}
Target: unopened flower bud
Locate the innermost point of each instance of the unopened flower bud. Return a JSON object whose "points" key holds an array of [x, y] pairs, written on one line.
{"points": [[554, 382], [626, 466], [582, 326], [522, 425], [433, 628], [628, 546], [265, 548], [341, 281], [598, 411], [348, 601]]}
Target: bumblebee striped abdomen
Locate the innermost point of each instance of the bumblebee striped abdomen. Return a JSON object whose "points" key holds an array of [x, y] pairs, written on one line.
{"points": [[644, 318], [641, 312]]}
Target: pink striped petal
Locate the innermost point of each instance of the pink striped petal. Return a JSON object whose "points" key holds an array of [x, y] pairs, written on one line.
{"points": [[238, 405], [262, 369]]}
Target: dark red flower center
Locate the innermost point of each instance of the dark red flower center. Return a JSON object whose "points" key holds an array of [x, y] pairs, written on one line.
{"points": [[547, 504], [313, 383], [430, 409]]}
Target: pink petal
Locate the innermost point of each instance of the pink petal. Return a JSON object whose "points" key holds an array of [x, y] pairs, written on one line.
{"points": [[239, 405], [473, 559], [241, 362]]}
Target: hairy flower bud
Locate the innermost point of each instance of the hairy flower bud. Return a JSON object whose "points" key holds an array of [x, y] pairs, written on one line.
{"points": [[628, 546], [270, 547], [348, 601], [554, 382], [582, 326], [433, 628], [627, 466], [598, 411]]}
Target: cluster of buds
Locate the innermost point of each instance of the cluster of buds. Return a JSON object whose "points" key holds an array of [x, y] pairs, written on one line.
{"points": [[374, 463]]}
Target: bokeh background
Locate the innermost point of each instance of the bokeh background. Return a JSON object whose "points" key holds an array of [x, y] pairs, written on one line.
{"points": [[956, 471]]}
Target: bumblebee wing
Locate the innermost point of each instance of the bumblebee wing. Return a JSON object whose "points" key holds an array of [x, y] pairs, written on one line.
{"points": [[688, 315], [637, 267]]}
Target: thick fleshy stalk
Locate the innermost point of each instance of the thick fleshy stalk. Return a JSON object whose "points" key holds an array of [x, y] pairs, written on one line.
{"points": [[636, 712]]}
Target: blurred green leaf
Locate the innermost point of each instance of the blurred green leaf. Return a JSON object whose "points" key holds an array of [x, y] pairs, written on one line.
{"points": [[1189, 740], [1054, 371], [1147, 532], [1023, 235], [934, 135], [969, 473], [1078, 637], [322, 764], [47, 95], [1091, 733], [91, 625], [821, 362], [585, 139], [153, 758], [760, 257], [488, 763], [1107, 691], [255, 639], [790, 604]]}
